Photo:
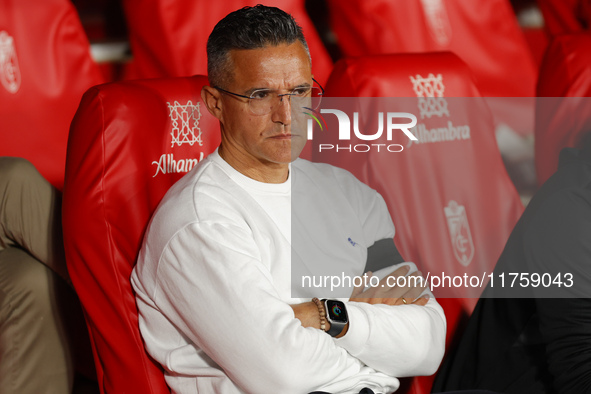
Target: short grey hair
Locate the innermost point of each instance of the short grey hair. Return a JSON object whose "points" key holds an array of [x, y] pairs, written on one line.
{"points": [[248, 28]]}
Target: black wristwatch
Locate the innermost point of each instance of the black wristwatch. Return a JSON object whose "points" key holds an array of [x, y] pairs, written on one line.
{"points": [[336, 314]]}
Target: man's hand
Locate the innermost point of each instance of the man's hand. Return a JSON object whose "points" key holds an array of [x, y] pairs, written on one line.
{"points": [[392, 295]]}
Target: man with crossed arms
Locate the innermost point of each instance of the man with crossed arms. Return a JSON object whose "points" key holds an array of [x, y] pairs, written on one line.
{"points": [[214, 281]]}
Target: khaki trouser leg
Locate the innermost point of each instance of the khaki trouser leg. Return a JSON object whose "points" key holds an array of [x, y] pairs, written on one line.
{"points": [[30, 214], [35, 353]]}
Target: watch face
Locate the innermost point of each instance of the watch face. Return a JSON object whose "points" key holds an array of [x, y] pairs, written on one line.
{"points": [[337, 311]]}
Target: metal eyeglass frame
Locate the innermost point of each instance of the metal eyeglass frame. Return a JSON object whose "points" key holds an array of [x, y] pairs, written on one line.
{"points": [[280, 96]]}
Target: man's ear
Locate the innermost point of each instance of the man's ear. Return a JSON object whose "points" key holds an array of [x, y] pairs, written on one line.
{"points": [[213, 100]]}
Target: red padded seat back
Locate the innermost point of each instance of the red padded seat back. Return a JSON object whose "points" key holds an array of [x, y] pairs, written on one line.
{"points": [[392, 76], [565, 72], [451, 199], [45, 67], [169, 38], [467, 169], [485, 35], [129, 142], [566, 16]]}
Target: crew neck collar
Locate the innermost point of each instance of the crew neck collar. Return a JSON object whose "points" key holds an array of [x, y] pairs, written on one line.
{"points": [[247, 182]]}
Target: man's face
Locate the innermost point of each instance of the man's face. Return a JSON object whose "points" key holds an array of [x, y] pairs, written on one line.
{"points": [[277, 137]]}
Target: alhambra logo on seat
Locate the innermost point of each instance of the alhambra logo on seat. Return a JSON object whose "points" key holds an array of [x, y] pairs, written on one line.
{"points": [[433, 105], [184, 119], [185, 123], [430, 93]]}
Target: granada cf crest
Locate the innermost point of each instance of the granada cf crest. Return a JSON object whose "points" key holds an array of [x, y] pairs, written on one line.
{"points": [[437, 21], [185, 123], [459, 231], [10, 74]]}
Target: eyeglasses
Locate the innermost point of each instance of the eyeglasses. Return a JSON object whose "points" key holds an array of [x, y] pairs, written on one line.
{"points": [[265, 101]]}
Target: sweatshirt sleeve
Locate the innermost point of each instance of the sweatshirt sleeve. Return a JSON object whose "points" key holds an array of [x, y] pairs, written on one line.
{"points": [[212, 286], [398, 340]]}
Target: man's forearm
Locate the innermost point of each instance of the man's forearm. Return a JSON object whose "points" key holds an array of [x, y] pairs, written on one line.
{"points": [[308, 314], [274, 353]]}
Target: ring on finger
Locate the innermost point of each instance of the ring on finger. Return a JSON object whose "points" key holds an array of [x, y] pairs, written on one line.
{"points": [[403, 300]]}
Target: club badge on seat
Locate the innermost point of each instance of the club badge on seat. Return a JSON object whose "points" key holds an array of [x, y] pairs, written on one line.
{"points": [[10, 74], [459, 231]]}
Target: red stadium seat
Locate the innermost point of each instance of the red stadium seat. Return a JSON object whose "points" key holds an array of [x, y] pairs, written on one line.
{"points": [[450, 197], [566, 16], [45, 67], [129, 142], [485, 35], [169, 39], [565, 72]]}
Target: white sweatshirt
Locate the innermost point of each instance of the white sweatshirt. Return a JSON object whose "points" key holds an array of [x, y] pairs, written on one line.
{"points": [[221, 263]]}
